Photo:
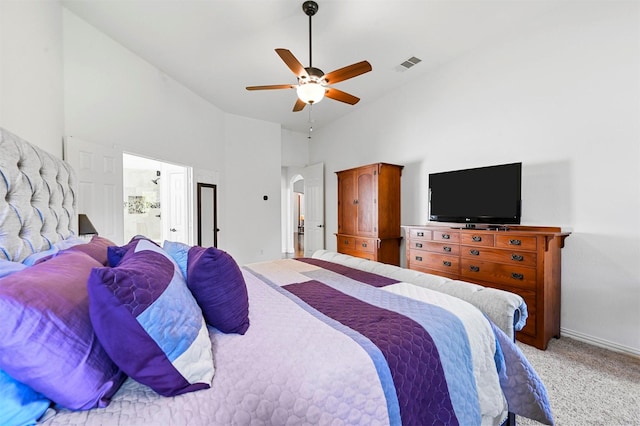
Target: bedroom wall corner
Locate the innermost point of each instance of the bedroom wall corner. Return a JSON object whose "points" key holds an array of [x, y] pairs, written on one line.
{"points": [[112, 96], [31, 72]]}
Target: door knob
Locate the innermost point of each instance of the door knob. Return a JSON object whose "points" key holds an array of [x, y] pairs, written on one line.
{"points": [[173, 230]]}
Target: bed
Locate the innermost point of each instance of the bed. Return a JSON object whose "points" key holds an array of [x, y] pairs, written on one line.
{"points": [[183, 335]]}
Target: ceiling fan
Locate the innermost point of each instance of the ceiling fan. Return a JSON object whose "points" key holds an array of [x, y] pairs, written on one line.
{"points": [[313, 84]]}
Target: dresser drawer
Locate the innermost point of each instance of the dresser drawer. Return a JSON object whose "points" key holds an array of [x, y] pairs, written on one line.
{"points": [[486, 240], [419, 234], [439, 262], [446, 236], [365, 245], [511, 257], [521, 242], [511, 275], [432, 246], [346, 243], [358, 247]]}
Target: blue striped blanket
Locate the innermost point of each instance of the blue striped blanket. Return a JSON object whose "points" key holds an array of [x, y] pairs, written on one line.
{"points": [[439, 359]]}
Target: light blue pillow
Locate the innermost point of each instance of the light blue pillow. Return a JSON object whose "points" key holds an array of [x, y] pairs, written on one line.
{"points": [[8, 268], [178, 252], [20, 404], [32, 259]]}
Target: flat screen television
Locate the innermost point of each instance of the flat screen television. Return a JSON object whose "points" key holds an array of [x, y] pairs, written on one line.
{"points": [[488, 195]]}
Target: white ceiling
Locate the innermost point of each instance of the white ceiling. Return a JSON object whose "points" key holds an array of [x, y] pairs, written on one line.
{"points": [[218, 47]]}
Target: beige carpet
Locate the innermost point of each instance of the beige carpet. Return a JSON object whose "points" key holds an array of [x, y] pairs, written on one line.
{"points": [[587, 385]]}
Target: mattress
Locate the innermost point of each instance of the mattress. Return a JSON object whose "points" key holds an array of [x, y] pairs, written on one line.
{"points": [[306, 360]]}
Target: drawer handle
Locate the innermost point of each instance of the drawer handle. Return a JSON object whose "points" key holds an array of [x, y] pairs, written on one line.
{"points": [[419, 258], [420, 234], [418, 245], [364, 244], [475, 252], [515, 242], [446, 263], [476, 238], [517, 257], [474, 268], [517, 276], [446, 236], [346, 242], [447, 249]]}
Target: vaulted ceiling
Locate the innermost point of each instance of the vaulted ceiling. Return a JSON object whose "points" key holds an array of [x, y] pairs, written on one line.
{"points": [[217, 47]]}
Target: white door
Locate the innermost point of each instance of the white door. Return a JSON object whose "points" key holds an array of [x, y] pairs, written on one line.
{"points": [[99, 172], [313, 208], [175, 222]]}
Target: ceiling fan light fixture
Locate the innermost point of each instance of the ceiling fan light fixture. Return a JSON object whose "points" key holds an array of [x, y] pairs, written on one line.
{"points": [[311, 92], [313, 85]]}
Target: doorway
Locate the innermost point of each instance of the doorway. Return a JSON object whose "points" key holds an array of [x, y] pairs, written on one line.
{"points": [[298, 216], [303, 223], [207, 215], [157, 200]]}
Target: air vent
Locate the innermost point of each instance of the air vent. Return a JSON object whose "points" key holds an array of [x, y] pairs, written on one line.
{"points": [[408, 64]]}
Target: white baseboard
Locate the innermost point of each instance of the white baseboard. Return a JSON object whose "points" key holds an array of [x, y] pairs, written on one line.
{"points": [[602, 343]]}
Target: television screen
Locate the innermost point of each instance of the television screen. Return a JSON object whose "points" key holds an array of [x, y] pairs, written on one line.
{"points": [[481, 195]]}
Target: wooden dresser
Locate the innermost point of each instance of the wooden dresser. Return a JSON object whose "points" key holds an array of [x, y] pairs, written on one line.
{"points": [[521, 259], [369, 212]]}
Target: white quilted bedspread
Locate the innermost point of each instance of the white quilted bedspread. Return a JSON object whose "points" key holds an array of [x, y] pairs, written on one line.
{"points": [[280, 372]]}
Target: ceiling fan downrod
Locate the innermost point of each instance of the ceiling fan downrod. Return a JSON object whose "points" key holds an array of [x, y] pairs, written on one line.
{"points": [[310, 8]]}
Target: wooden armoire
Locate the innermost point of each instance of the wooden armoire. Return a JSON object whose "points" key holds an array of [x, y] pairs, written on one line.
{"points": [[369, 212]]}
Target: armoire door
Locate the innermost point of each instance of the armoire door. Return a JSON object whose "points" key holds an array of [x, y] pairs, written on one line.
{"points": [[366, 209], [347, 202]]}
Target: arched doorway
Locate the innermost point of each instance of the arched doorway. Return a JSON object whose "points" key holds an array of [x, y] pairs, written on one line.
{"points": [[297, 214]]}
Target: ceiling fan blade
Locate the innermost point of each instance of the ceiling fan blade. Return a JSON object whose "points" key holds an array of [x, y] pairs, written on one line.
{"points": [[299, 106], [293, 63], [341, 96], [271, 87], [347, 72]]}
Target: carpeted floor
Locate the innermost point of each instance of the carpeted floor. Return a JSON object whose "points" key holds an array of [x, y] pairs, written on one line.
{"points": [[587, 385]]}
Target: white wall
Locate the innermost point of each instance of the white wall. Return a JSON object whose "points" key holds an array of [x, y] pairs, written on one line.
{"points": [[563, 97], [31, 103], [114, 97], [252, 171], [61, 76]]}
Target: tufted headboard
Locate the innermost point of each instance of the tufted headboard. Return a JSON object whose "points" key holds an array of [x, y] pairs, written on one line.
{"points": [[37, 198]]}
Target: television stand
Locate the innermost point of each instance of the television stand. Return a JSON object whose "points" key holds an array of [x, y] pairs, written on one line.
{"points": [[524, 260]]}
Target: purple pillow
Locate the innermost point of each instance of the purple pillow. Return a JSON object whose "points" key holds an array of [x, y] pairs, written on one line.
{"points": [[149, 323], [116, 253], [216, 282], [47, 341], [96, 248]]}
